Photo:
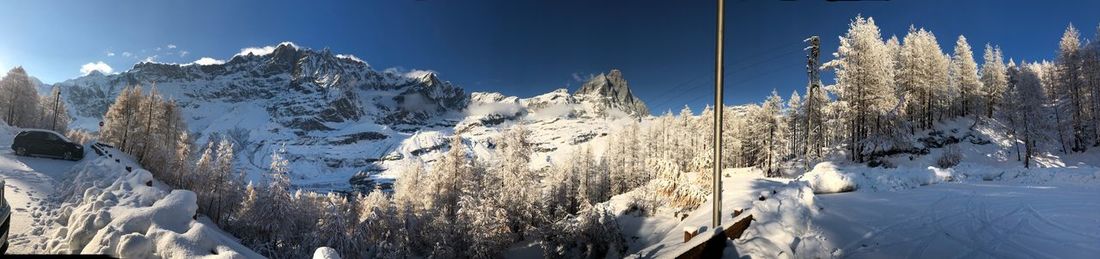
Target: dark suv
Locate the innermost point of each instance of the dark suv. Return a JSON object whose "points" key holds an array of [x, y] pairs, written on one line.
{"points": [[46, 143]]}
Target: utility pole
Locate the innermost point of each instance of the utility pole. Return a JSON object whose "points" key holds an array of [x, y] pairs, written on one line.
{"points": [[719, 70], [56, 101]]}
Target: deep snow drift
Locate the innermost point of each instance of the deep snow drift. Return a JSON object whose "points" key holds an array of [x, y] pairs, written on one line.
{"points": [[105, 209]]}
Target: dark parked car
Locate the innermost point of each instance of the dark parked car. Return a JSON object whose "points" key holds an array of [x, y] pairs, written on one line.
{"points": [[46, 143], [5, 214]]}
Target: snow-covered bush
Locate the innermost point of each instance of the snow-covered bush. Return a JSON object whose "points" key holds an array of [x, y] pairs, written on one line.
{"points": [[592, 233], [326, 253], [80, 136], [826, 178], [951, 156]]}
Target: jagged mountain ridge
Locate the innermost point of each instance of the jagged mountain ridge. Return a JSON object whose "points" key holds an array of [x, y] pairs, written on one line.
{"points": [[610, 91], [340, 118]]}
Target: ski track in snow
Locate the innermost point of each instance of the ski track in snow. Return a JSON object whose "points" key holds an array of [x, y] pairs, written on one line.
{"points": [[965, 220], [29, 181]]}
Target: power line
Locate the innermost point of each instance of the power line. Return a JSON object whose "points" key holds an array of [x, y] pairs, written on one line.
{"points": [[666, 100]]}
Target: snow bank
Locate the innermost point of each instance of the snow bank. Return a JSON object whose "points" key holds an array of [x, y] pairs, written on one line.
{"points": [[827, 177], [782, 226], [128, 214]]}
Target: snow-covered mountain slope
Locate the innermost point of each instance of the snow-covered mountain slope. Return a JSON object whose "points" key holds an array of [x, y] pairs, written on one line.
{"points": [[559, 123], [341, 119]]}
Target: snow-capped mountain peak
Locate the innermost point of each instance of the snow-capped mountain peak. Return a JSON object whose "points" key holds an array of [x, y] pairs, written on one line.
{"points": [[610, 91], [340, 119]]}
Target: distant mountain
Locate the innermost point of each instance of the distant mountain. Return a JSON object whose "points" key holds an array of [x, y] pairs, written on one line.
{"points": [[341, 119], [610, 92]]}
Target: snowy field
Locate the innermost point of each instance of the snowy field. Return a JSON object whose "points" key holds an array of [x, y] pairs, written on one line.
{"points": [[1028, 216], [993, 219]]}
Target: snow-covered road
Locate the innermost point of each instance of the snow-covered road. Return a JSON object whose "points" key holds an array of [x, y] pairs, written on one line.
{"points": [[965, 220], [29, 181]]}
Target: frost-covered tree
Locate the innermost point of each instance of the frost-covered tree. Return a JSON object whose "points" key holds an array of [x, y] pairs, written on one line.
{"points": [[921, 76], [969, 83], [994, 78], [1029, 114], [771, 125], [795, 130], [516, 178], [19, 99], [445, 181], [865, 79], [119, 120], [339, 218], [53, 114], [1090, 67], [1069, 92]]}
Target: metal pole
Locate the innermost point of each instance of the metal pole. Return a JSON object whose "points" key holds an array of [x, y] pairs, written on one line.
{"points": [[56, 99], [718, 107]]}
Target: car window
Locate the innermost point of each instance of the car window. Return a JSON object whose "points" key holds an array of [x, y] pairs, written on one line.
{"points": [[51, 136], [61, 137]]}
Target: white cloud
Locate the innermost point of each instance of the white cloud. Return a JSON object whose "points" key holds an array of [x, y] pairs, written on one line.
{"points": [[577, 77], [208, 61], [351, 57], [127, 54], [416, 73], [110, 54], [184, 53], [260, 51], [96, 66], [150, 59], [171, 46]]}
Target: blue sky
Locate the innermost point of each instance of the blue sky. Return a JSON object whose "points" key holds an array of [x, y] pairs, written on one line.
{"points": [[664, 48]]}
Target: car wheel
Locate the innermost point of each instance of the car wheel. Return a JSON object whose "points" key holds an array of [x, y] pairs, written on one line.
{"points": [[68, 155], [22, 151]]}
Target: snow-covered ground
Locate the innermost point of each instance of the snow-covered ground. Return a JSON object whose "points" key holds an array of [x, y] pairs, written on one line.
{"points": [[28, 183], [97, 206], [995, 219], [988, 206]]}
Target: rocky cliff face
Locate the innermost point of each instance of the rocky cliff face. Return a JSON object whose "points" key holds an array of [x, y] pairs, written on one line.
{"points": [[304, 90], [335, 114], [610, 92]]}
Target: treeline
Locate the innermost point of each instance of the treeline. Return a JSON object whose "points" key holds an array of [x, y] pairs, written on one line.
{"points": [[888, 90], [151, 129], [21, 106], [460, 207]]}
